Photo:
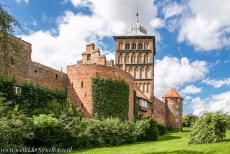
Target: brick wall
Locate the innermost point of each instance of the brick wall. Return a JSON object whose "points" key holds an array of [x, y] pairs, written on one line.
{"points": [[19, 63], [81, 78], [24, 70], [46, 76], [159, 111], [172, 106]]}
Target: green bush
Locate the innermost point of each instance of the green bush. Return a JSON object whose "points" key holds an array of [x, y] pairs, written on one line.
{"points": [[110, 98], [49, 132], [147, 130], [228, 121], [162, 129], [189, 120], [109, 131], [209, 128], [15, 131]]}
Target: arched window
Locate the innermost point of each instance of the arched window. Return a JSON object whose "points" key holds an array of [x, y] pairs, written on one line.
{"points": [[147, 73], [121, 59], [146, 59], [148, 85], [137, 73], [127, 46], [144, 86], [131, 71], [139, 58], [133, 45], [146, 45], [142, 73], [127, 59], [132, 60], [120, 46], [140, 46]]}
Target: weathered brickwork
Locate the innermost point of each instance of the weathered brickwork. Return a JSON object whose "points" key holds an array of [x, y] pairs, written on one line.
{"points": [[136, 69], [135, 55], [81, 78], [159, 111], [93, 55], [24, 70]]}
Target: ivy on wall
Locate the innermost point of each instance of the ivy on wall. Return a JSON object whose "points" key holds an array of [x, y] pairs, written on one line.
{"points": [[135, 109], [110, 98], [32, 97]]}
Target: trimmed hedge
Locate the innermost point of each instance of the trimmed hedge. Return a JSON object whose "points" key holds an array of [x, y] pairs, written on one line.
{"points": [[110, 98]]}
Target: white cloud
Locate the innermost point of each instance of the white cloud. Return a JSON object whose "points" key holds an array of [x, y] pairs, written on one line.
{"points": [[75, 30], [173, 72], [188, 97], [214, 103], [20, 1], [78, 3], [217, 83], [172, 9], [191, 89], [207, 26]]}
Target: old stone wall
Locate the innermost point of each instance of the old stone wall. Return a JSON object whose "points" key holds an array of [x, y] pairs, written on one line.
{"points": [[159, 111], [18, 62], [46, 76], [24, 70], [174, 112], [81, 76]]}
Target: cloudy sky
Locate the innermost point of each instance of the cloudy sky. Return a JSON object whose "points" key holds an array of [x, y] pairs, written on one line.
{"points": [[193, 40]]}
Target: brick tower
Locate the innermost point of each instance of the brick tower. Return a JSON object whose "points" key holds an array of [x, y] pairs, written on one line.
{"points": [[174, 108], [135, 52]]}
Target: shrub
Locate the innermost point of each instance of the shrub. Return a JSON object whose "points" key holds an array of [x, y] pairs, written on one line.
{"points": [[162, 129], [228, 121], [49, 132], [189, 120], [147, 130], [209, 128], [15, 130], [110, 131]]}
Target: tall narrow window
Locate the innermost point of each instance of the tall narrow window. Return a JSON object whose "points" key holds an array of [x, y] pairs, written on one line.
{"points": [[127, 46], [140, 46], [82, 84], [133, 45], [88, 56]]}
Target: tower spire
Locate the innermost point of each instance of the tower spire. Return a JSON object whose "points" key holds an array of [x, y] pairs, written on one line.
{"points": [[137, 14]]}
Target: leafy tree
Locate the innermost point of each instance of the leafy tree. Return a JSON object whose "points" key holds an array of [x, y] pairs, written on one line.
{"points": [[189, 120], [8, 43], [209, 128]]}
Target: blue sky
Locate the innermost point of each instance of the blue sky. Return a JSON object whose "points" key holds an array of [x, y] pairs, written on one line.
{"points": [[193, 42]]}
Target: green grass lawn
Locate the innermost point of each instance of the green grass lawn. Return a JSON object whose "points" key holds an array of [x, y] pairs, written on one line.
{"points": [[170, 143]]}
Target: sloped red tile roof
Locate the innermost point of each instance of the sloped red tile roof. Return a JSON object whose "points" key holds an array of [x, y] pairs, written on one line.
{"points": [[140, 94], [172, 93]]}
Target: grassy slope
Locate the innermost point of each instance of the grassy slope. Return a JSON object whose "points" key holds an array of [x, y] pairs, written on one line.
{"points": [[168, 144]]}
